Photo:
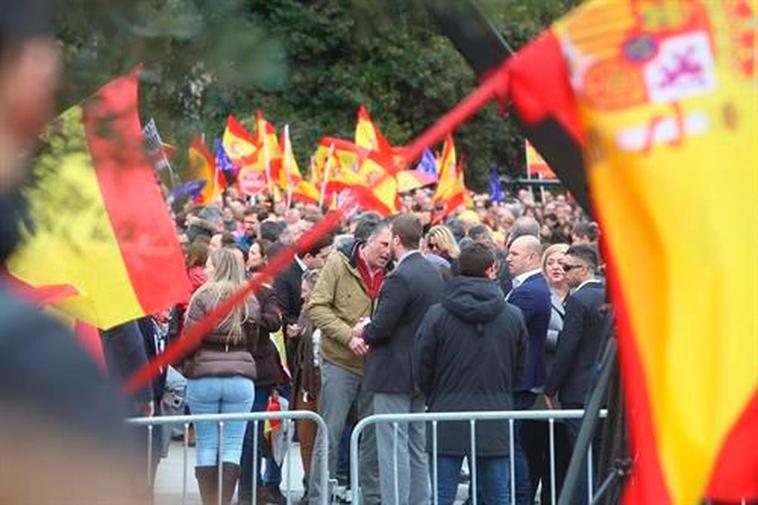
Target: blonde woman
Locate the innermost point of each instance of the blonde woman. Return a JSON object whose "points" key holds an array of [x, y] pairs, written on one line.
{"points": [[552, 268], [440, 241], [220, 373]]}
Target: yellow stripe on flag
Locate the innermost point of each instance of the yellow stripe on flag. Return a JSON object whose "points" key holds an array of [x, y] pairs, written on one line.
{"points": [[675, 184], [74, 241]]}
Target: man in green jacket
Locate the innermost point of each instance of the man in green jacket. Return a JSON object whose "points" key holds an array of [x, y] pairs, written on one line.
{"points": [[345, 295]]}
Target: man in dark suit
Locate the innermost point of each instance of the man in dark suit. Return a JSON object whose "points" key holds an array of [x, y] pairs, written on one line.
{"points": [[288, 286], [584, 329], [580, 342], [531, 294], [407, 293]]}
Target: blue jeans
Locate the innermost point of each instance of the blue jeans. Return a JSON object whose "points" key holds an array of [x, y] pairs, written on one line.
{"points": [[522, 400], [219, 395], [492, 479]]}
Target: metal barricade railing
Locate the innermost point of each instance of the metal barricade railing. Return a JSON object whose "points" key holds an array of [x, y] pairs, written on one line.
{"points": [[472, 417], [256, 417]]}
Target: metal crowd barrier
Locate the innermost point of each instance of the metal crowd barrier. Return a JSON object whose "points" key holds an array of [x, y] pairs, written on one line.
{"points": [[472, 417], [256, 417]]}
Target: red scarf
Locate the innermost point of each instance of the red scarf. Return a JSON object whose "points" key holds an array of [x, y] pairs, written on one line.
{"points": [[373, 282]]}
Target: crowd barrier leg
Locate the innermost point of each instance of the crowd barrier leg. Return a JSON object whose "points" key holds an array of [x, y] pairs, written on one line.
{"points": [[320, 467]]}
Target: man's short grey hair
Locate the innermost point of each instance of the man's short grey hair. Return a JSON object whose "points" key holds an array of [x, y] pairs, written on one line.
{"points": [[366, 225]]}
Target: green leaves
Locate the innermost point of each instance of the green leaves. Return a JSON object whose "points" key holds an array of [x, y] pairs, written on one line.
{"points": [[306, 63]]}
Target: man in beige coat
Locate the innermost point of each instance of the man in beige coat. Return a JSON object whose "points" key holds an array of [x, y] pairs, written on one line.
{"points": [[346, 294]]}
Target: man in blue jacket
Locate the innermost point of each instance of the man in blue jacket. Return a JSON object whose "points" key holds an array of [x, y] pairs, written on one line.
{"points": [[531, 294]]}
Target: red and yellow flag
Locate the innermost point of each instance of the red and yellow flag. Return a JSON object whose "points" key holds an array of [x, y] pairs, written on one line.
{"points": [[239, 145], [536, 166], [660, 99], [101, 225], [375, 162], [451, 190], [381, 197], [336, 162], [408, 180], [269, 159], [367, 135], [290, 179], [203, 167]]}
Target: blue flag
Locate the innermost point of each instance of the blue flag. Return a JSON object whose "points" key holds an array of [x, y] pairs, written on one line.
{"points": [[496, 190], [223, 162], [428, 164], [190, 189]]}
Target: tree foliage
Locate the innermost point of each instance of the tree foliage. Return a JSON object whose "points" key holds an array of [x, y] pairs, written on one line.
{"points": [[306, 63]]}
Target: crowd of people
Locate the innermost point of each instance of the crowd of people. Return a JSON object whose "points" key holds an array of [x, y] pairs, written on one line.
{"points": [[396, 315], [494, 307]]}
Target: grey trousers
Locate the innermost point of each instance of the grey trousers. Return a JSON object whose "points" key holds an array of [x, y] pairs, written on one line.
{"points": [[339, 389], [405, 480]]}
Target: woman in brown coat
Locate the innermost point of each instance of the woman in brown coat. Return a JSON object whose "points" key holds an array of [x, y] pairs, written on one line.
{"points": [[220, 373]]}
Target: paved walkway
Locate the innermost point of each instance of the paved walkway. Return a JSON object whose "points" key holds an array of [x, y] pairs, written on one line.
{"points": [[168, 480]]}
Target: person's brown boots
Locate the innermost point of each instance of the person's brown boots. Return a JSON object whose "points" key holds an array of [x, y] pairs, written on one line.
{"points": [[207, 482], [230, 475]]}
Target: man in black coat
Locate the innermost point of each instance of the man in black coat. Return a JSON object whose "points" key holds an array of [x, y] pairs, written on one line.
{"points": [[288, 287], [580, 342], [584, 328], [468, 355], [406, 294]]}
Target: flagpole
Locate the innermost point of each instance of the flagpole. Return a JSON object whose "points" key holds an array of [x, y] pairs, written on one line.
{"points": [[528, 172], [327, 174], [215, 180], [164, 158], [542, 190], [266, 164], [288, 168]]}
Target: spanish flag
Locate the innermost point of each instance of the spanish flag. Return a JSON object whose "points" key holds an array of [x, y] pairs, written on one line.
{"points": [[203, 167], [239, 145], [290, 178], [269, 159], [375, 158], [377, 190], [336, 164], [661, 98], [367, 135], [451, 191], [100, 224]]}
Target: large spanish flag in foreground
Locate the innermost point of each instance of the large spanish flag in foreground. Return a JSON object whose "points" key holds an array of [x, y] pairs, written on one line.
{"points": [[100, 223], [662, 100]]}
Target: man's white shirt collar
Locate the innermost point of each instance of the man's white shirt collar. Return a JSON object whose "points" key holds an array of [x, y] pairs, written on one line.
{"points": [[580, 286], [405, 255], [300, 262], [521, 278]]}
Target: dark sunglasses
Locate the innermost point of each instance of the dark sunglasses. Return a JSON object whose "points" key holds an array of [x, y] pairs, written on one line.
{"points": [[568, 268]]}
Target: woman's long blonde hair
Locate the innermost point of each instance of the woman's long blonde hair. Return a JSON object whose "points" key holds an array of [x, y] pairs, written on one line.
{"points": [[444, 239], [227, 278]]}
